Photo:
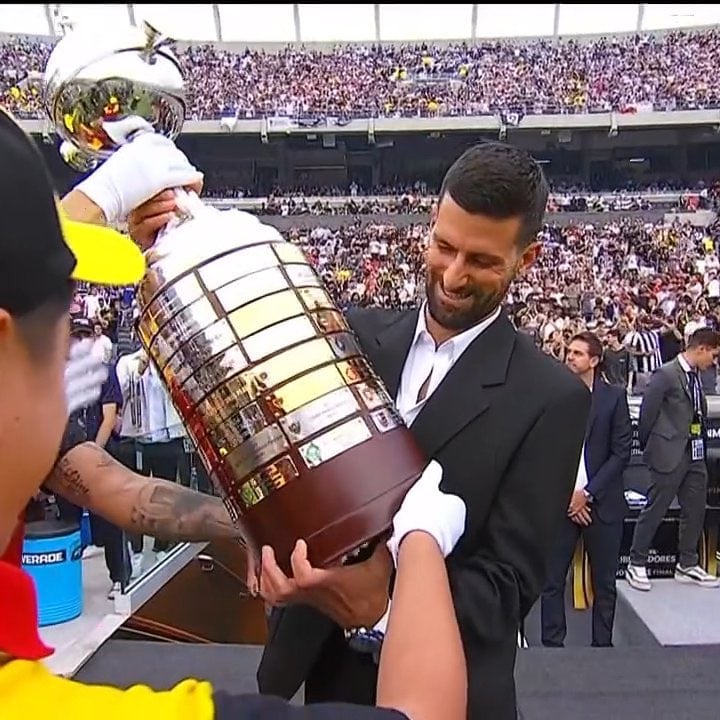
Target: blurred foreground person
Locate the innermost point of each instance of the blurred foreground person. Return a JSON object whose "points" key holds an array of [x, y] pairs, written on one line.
{"points": [[85, 475], [41, 257]]}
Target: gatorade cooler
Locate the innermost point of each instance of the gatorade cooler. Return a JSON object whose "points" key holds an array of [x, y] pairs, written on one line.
{"points": [[52, 556]]}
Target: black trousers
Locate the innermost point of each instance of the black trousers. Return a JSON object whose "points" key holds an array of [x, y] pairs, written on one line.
{"points": [[688, 481], [125, 453], [105, 535], [162, 460], [602, 542]]}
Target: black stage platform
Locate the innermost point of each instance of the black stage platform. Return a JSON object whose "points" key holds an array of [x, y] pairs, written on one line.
{"points": [[575, 683]]}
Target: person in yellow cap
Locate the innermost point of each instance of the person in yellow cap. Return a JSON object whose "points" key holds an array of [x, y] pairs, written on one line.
{"points": [[42, 254], [85, 475]]}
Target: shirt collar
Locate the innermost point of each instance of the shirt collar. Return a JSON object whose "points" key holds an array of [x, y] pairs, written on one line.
{"points": [[684, 364], [457, 343]]}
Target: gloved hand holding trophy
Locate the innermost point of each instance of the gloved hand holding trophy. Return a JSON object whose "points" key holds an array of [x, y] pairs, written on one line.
{"points": [[297, 432]]}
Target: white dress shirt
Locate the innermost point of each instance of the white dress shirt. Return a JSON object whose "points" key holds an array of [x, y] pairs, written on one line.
{"points": [[581, 479], [425, 360], [684, 364]]}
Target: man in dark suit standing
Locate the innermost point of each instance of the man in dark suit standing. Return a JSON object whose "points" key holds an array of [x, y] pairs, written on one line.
{"points": [[672, 433], [504, 421], [597, 508]]}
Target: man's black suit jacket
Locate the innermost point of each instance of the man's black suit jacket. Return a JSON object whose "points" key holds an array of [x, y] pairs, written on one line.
{"points": [[507, 426], [607, 451]]}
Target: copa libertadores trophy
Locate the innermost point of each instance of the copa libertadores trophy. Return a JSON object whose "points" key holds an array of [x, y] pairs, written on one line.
{"points": [[297, 432]]}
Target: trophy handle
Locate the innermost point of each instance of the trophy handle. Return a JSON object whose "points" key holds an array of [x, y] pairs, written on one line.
{"points": [[189, 207], [189, 204]]}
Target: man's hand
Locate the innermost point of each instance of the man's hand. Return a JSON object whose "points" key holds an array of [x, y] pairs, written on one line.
{"points": [[352, 595], [137, 172], [251, 572], [582, 517], [578, 502], [146, 220]]}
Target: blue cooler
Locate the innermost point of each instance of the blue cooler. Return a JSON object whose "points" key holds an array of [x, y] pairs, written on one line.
{"points": [[52, 556]]}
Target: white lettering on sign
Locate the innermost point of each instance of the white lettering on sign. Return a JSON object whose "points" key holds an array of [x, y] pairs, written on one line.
{"points": [[43, 558]]}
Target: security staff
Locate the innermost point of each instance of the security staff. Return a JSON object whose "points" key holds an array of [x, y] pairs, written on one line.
{"points": [[672, 432]]}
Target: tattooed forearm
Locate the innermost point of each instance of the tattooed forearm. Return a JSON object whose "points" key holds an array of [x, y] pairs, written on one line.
{"points": [[69, 477], [171, 512], [88, 476], [65, 480]]}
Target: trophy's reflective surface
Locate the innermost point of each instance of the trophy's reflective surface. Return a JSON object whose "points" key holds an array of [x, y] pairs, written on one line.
{"points": [[273, 388], [95, 82]]}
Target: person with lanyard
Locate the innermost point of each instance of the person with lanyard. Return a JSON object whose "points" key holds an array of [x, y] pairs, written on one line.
{"points": [[42, 256], [672, 433]]}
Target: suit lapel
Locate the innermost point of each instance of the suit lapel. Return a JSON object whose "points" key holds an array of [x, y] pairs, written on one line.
{"points": [[682, 377], [395, 341], [598, 398], [468, 389], [595, 401]]}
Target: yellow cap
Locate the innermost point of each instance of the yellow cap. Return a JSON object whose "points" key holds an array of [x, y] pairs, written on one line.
{"points": [[104, 256]]}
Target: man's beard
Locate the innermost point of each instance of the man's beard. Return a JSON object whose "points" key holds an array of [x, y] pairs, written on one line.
{"points": [[482, 304]]}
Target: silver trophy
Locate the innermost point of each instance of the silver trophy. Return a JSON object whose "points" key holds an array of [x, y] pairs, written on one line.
{"points": [[296, 431], [94, 83]]}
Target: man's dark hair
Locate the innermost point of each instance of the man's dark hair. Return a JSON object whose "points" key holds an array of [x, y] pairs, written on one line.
{"points": [[595, 348], [704, 337], [500, 181], [36, 326]]}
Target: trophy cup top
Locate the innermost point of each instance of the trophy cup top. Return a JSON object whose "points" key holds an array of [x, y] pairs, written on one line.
{"points": [[94, 81]]}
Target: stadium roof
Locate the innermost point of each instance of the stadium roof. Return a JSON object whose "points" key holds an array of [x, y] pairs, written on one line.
{"points": [[269, 23]]}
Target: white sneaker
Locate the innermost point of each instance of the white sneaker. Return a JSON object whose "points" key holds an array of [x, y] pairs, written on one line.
{"points": [[637, 577], [114, 590], [695, 576], [91, 551]]}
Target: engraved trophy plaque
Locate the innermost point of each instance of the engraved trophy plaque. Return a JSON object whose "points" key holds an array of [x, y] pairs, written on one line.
{"points": [[297, 432]]}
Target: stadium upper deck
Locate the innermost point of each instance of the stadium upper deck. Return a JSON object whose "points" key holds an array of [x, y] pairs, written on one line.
{"points": [[471, 77]]}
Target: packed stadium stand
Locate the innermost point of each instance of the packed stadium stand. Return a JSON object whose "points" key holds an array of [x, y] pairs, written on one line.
{"points": [[336, 124]]}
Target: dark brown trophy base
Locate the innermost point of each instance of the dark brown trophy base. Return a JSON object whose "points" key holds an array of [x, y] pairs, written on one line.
{"points": [[340, 505]]}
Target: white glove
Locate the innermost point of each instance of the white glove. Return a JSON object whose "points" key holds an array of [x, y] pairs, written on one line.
{"points": [[429, 509], [84, 376], [139, 170]]}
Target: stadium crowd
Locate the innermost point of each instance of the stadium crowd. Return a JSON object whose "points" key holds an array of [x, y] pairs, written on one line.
{"points": [[642, 287], [416, 203], [417, 198], [676, 70]]}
